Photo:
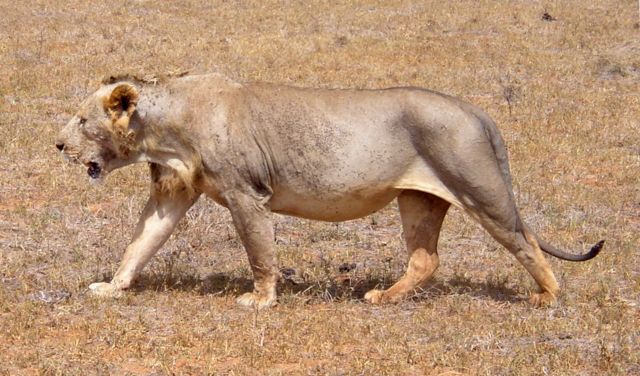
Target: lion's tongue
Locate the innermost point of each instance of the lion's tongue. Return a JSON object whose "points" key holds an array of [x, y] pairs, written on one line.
{"points": [[94, 170]]}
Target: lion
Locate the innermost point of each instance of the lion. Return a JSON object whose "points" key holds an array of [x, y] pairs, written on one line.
{"points": [[328, 155]]}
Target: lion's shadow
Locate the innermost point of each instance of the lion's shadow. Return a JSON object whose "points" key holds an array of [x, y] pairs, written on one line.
{"points": [[347, 289]]}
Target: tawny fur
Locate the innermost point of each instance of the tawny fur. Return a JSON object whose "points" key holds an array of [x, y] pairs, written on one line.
{"points": [[329, 155]]}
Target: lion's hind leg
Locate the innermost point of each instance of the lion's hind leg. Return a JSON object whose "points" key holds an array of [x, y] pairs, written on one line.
{"points": [[529, 254], [505, 225], [422, 215]]}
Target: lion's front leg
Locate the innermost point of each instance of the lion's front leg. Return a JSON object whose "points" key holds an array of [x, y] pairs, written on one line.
{"points": [[159, 219], [252, 220]]}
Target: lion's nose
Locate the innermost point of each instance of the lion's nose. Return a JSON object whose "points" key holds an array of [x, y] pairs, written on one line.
{"points": [[60, 147]]}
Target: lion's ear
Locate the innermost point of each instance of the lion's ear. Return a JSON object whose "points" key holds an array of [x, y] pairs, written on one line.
{"points": [[120, 105]]}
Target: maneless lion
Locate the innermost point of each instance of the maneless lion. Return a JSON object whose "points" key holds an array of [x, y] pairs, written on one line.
{"points": [[329, 155]]}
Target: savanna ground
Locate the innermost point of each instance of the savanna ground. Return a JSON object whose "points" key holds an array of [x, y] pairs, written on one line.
{"points": [[563, 88]]}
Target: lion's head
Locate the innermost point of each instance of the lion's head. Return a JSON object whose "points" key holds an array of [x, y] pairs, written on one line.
{"points": [[99, 135]]}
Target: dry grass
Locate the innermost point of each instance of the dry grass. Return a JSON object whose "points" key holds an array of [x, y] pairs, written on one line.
{"points": [[563, 91]]}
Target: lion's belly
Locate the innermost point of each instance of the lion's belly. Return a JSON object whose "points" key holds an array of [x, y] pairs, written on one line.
{"points": [[336, 195], [336, 207]]}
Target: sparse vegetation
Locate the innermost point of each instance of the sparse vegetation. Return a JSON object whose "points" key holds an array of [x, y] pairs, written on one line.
{"points": [[563, 89]]}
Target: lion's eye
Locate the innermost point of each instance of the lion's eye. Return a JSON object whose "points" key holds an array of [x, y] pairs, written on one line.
{"points": [[82, 122]]}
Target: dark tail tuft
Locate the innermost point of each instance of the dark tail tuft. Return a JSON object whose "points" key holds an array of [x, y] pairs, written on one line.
{"points": [[595, 250]]}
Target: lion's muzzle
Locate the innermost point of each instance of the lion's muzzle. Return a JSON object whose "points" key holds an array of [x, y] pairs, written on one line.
{"points": [[93, 168]]}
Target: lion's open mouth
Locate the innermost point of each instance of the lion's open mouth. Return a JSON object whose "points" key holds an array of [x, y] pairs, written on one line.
{"points": [[93, 170]]}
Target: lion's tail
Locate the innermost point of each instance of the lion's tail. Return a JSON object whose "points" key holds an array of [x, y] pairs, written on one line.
{"points": [[548, 248]]}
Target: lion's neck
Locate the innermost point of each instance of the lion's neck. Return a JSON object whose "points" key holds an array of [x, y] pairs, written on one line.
{"points": [[161, 139]]}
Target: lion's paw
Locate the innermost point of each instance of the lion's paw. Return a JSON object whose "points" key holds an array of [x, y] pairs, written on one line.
{"points": [[543, 299], [374, 296], [105, 290], [253, 300]]}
